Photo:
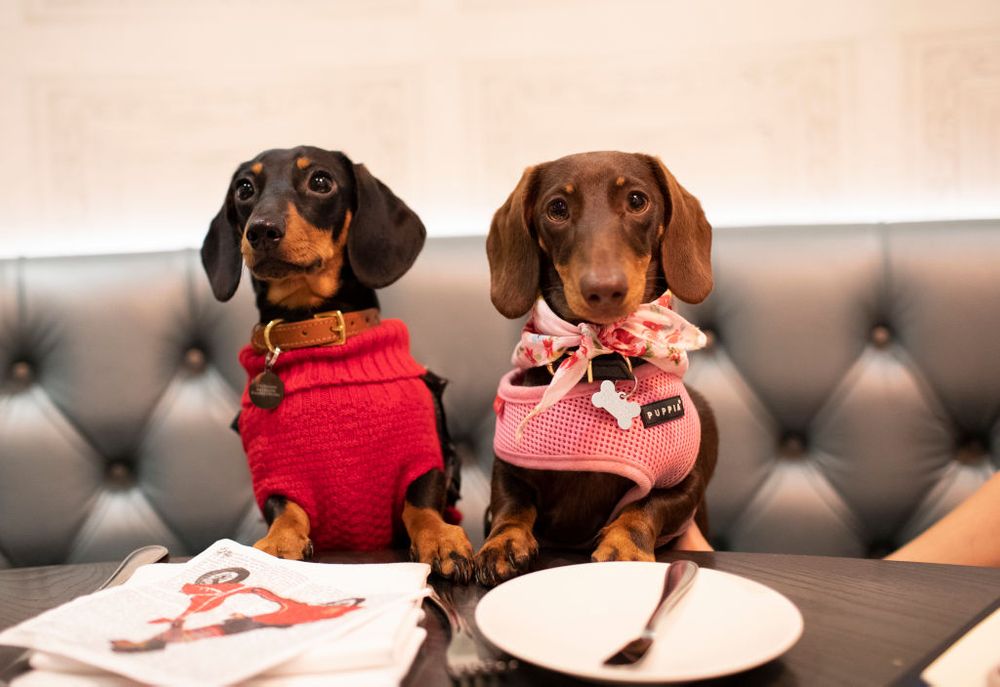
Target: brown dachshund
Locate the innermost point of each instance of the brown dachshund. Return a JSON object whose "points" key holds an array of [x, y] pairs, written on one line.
{"points": [[596, 234], [319, 234]]}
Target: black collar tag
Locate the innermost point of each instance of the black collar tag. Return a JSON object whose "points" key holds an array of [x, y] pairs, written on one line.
{"points": [[658, 412], [267, 390]]}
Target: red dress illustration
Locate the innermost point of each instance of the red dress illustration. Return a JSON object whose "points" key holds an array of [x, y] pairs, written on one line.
{"points": [[213, 589]]}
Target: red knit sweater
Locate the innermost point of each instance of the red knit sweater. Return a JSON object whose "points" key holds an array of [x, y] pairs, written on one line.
{"points": [[355, 428]]}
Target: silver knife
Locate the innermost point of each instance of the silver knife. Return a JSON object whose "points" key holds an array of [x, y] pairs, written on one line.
{"points": [[680, 576], [132, 562]]}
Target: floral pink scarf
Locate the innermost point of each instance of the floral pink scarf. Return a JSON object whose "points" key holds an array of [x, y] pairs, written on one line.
{"points": [[654, 332]]}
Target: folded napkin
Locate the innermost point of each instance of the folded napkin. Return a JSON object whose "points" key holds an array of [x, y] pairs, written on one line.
{"points": [[52, 671], [973, 660], [234, 615]]}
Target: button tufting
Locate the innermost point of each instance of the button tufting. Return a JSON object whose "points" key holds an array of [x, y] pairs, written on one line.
{"points": [[970, 452], [21, 372], [792, 446], [881, 336], [194, 359], [119, 474]]}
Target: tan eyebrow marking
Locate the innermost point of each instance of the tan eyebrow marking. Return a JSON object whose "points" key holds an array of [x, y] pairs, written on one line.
{"points": [[620, 181], [257, 167], [569, 188], [303, 162]]}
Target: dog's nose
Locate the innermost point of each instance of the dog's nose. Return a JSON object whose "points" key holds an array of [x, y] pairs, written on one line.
{"points": [[263, 233], [603, 289]]}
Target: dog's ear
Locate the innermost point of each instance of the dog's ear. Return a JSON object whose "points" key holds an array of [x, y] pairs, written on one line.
{"points": [[385, 236], [686, 246], [513, 251], [220, 252]]}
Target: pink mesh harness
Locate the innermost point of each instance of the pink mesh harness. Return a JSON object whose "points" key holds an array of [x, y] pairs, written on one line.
{"points": [[572, 434]]}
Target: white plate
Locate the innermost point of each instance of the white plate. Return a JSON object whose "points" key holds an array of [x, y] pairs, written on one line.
{"points": [[571, 618]]}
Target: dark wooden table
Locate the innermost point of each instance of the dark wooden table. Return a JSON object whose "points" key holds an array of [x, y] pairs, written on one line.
{"points": [[866, 622]]}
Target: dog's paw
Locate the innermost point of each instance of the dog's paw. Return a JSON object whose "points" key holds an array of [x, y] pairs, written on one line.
{"points": [[290, 545], [446, 549], [504, 555], [617, 544]]}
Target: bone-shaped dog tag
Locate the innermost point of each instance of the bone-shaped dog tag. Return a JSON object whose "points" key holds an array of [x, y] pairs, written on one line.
{"points": [[613, 401]]}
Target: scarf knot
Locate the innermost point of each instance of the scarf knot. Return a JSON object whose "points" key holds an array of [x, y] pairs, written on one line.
{"points": [[653, 332]]}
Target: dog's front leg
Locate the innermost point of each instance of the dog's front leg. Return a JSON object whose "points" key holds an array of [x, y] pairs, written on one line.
{"points": [[511, 546], [288, 531], [446, 548], [632, 535]]}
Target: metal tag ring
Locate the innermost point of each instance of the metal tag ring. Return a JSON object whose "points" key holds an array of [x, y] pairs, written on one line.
{"points": [[267, 334]]}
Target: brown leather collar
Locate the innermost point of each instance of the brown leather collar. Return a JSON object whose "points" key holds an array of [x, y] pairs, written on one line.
{"points": [[325, 329]]}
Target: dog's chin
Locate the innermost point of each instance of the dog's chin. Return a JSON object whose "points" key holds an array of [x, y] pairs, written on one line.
{"points": [[609, 316], [603, 315], [275, 269]]}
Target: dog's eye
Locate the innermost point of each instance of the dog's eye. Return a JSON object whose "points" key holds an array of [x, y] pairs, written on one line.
{"points": [[637, 202], [557, 210], [244, 189], [321, 182]]}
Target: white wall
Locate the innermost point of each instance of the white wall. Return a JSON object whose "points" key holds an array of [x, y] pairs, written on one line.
{"points": [[121, 120]]}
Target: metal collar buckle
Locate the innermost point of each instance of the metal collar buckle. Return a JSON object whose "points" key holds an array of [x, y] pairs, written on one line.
{"points": [[339, 329]]}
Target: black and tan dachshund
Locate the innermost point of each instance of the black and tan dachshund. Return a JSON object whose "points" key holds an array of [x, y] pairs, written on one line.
{"points": [[319, 234], [596, 234]]}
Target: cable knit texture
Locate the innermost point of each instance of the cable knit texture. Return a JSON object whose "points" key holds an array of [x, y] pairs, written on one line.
{"points": [[356, 426]]}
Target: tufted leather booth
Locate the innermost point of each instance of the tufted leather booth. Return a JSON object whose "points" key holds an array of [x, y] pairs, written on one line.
{"points": [[854, 370]]}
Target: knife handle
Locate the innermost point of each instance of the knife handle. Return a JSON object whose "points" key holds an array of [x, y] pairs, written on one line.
{"points": [[680, 575]]}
